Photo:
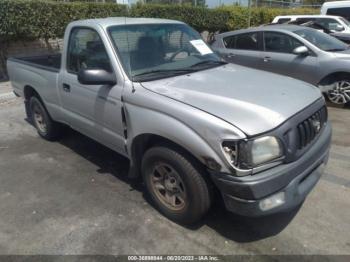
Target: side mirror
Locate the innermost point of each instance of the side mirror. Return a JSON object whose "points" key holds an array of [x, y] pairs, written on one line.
{"points": [[339, 28], [301, 50], [96, 77]]}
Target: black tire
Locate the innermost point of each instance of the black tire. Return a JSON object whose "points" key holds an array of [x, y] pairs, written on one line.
{"points": [[46, 128], [196, 189]]}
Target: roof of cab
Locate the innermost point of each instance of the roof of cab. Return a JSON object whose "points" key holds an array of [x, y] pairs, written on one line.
{"points": [[111, 21], [306, 16], [336, 3], [286, 27]]}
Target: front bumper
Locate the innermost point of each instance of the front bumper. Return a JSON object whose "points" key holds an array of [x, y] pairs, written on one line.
{"points": [[243, 195]]}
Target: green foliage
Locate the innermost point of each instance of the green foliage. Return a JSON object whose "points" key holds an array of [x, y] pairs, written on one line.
{"points": [[239, 16], [29, 19], [24, 19], [199, 18], [35, 19]]}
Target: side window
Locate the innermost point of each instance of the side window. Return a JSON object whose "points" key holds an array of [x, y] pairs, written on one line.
{"points": [[304, 20], [86, 50], [278, 42], [341, 11], [230, 42], [247, 41]]}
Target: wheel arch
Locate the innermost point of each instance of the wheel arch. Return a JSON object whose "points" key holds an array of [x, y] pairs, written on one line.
{"points": [[141, 143], [330, 78], [28, 92]]}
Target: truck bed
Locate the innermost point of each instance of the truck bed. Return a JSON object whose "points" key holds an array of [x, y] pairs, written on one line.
{"points": [[38, 72], [46, 62]]}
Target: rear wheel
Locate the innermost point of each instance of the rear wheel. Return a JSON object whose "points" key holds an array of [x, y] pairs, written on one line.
{"points": [[46, 127], [175, 185], [340, 94]]}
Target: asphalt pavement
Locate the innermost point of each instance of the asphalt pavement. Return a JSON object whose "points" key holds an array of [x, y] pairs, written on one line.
{"points": [[73, 197]]}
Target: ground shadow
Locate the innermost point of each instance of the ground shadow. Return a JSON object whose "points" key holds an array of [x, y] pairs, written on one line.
{"points": [[247, 229], [330, 104], [107, 161], [236, 228]]}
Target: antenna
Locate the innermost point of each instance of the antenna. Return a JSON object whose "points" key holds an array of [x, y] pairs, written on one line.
{"points": [[128, 44]]}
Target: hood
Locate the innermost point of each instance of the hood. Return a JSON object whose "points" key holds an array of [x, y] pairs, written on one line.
{"points": [[342, 54], [252, 100]]}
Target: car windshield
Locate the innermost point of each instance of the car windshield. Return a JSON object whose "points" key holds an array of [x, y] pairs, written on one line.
{"points": [[345, 21], [154, 51], [322, 40]]}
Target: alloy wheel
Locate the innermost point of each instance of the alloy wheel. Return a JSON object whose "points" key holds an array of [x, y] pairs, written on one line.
{"points": [[341, 92]]}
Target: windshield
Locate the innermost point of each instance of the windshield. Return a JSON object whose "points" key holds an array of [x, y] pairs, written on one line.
{"points": [[153, 51], [322, 40], [345, 21]]}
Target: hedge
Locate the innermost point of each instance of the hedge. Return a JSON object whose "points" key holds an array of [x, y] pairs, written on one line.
{"points": [[23, 19], [39, 19], [200, 18], [29, 19], [238, 17], [220, 19]]}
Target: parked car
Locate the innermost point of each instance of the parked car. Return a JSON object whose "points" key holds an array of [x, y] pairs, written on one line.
{"points": [[339, 8], [335, 24], [153, 91], [313, 24], [291, 50]]}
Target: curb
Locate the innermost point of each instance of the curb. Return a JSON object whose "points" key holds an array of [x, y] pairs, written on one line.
{"points": [[7, 96]]}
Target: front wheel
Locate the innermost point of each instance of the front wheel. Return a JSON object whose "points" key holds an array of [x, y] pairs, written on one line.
{"points": [[175, 185], [340, 94]]}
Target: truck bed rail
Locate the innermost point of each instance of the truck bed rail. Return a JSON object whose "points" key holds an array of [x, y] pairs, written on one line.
{"points": [[46, 62]]}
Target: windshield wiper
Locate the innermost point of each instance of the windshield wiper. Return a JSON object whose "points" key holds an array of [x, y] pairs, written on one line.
{"points": [[208, 62], [163, 72]]}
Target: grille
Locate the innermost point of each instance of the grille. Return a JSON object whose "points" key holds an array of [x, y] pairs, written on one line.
{"points": [[310, 127]]}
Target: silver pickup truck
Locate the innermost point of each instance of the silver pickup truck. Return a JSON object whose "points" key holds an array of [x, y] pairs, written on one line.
{"points": [[191, 124]]}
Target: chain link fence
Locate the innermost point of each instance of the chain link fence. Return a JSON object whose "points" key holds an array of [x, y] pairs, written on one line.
{"points": [[264, 3], [216, 3]]}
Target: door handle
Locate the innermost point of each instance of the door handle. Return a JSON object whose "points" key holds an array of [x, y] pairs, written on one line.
{"points": [[66, 87], [267, 59], [230, 55]]}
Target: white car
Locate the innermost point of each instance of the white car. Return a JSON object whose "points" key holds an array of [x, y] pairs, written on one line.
{"points": [[339, 8], [333, 23]]}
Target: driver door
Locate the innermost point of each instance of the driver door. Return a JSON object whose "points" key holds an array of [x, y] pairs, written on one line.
{"points": [[94, 110], [278, 57]]}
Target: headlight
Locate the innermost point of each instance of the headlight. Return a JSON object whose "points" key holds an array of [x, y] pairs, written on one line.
{"points": [[265, 149], [252, 153]]}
